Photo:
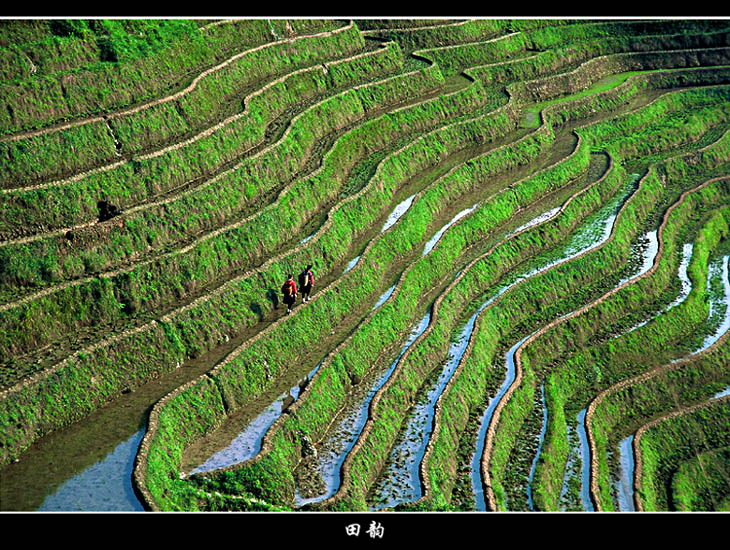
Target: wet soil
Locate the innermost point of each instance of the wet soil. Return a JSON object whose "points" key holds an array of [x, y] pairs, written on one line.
{"points": [[308, 476]]}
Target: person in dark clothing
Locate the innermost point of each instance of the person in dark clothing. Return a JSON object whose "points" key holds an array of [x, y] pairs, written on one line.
{"points": [[289, 290], [306, 280]]}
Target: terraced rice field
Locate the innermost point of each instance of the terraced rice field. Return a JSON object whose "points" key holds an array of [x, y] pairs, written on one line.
{"points": [[519, 231]]}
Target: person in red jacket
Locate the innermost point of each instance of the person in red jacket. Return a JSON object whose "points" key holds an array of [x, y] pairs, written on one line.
{"points": [[289, 290]]}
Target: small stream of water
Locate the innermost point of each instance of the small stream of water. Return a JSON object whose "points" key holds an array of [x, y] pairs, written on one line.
{"points": [[624, 483], [400, 482], [248, 443], [333, 453], [383, 297], [585, 454], [684, 291], [397, 212], [723, 393], [534, 221], [433, 240], [476, 470]]}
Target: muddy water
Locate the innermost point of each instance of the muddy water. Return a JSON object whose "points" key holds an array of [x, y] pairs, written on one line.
{"points": [[332, 454], [400, 482], [76, 452], [248, 443]]}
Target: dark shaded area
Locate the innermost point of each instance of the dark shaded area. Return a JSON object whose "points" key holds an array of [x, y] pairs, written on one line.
{"points": [[256, 308], [67, 27], [107, 52], [107, 210], [273, 296]]}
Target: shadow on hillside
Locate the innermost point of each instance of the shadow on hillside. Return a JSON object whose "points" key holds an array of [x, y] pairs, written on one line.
{"points": [[273, 297]]}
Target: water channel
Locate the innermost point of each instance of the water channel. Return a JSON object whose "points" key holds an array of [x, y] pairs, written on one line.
{"points": [[333, 453], [248, 443]]}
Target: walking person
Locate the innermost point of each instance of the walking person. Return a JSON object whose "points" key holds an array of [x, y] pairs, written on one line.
{"points": [[289, 290], [306, 280]]}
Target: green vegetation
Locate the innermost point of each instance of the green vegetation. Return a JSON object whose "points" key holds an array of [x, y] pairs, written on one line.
{"points": [[161, 178]]}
